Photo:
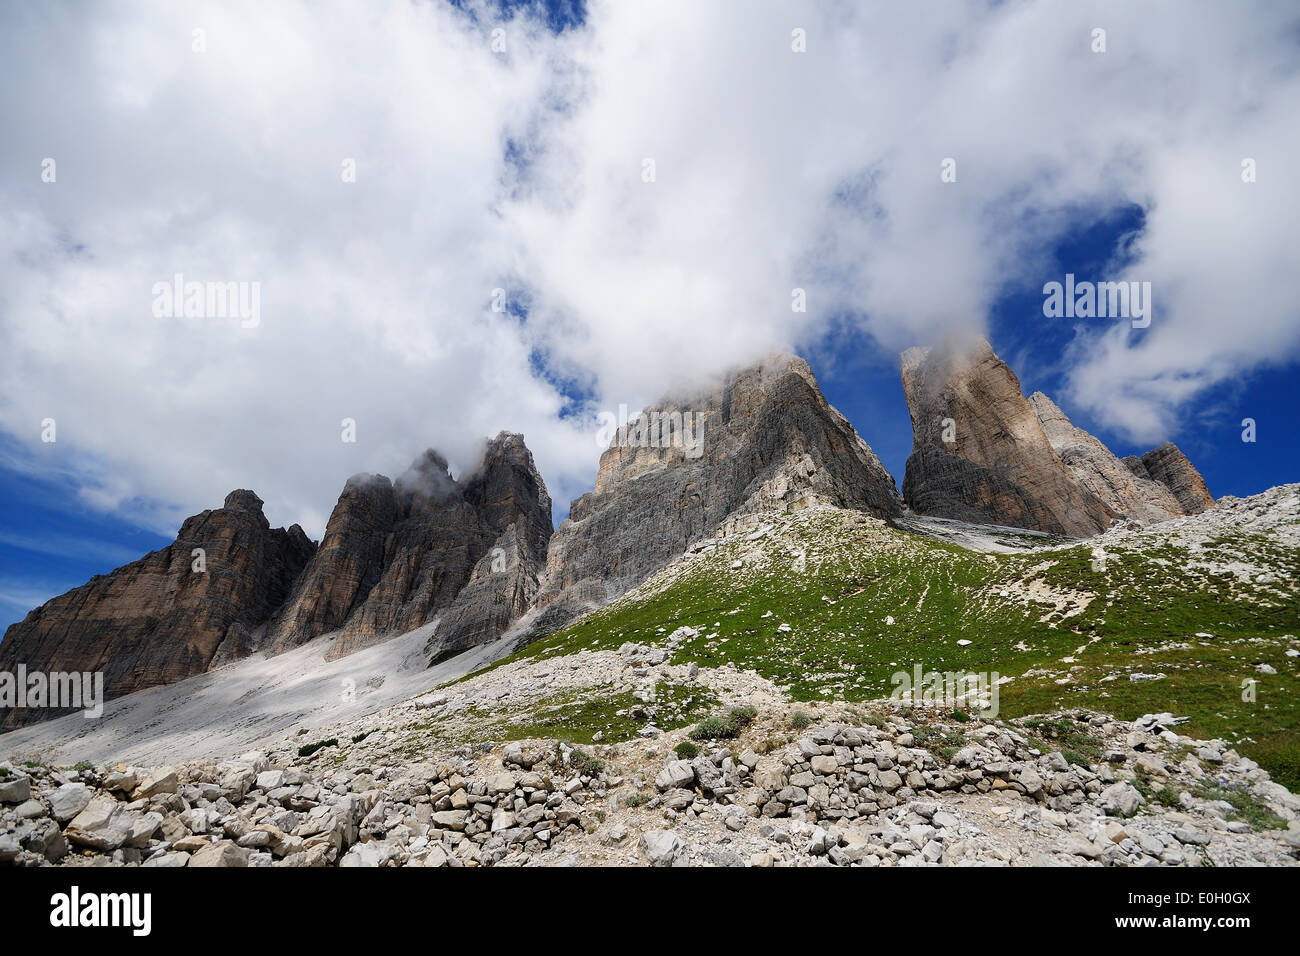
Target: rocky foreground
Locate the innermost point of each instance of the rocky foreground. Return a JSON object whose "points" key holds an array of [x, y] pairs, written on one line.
{"points": [[763, 783]]}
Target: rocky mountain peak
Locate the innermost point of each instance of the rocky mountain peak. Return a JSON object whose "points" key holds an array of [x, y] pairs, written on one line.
{"points": [[171, 614], [983, 452], [1169, 466], [762, 438], [241, 499], [979, 451]]}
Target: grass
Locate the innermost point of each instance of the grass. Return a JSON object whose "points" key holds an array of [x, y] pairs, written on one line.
{"points": [[724, 726], [580, 718], [1069, 635], [306, 750], [937, 740], [686, 750], [1245, 806]]}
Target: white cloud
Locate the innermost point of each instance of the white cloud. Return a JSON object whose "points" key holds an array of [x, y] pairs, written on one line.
{"points": [[773, 170]]}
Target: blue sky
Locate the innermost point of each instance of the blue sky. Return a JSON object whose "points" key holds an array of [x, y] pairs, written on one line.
{"points": [[525, 169]]}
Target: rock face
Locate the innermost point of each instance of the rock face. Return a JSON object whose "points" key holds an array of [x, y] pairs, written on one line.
{"points": [[158, 620], [983, 452], [1125, 491], [999, 466], [766, 438], [396, 553], [345, 567], [1170, 467]]}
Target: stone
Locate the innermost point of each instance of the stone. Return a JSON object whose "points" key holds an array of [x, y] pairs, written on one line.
{"points": [[676, 773], [269, 780], [1120, 799], [15, 789], [825, 766], [221, 854], [661, 847], [68, 800], [162, 780], [1191, 836], [101, 825]]}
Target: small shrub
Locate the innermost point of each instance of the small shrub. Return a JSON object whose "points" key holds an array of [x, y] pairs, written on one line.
{"points": [[306, 750], [800, 721], [715, 728], [4, 771], [1076, 758], [937, 741], [686, 750], [585, 763], [742, 716], [1168, 796], [82, 766], [357, 738], [1246, 806], [960, 716]]}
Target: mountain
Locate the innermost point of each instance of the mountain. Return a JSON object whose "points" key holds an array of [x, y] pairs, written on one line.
{"points": [[1169, 466], [394, 555], [397, 553], [169, 615], [985, 453], [1123, 489], [738, 696], [767, 441]]}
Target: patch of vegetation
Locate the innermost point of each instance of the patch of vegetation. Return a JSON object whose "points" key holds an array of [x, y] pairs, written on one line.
{"points": [[585, 763], [960, 716], [715, 728], [580, 717], [686, 750], [1245, 806], [357, 738], [800, 721], [1074, 757], [938, 741], [1066, 734], [306, 750], [726, 726]]}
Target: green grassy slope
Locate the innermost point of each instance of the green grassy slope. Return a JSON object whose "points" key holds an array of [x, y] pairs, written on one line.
{"points": [[810, 609]]}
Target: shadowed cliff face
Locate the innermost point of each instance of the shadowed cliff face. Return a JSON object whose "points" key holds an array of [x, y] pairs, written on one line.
{"points": [[396, 554], [158, 620], [1169, 466], [982, 451], [770, 440], [999, 466]]}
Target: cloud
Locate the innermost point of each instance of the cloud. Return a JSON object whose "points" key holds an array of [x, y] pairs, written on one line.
{"points": [[477, 170]]}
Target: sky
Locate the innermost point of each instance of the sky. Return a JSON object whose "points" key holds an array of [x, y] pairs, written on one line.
{"points": [[467, 217]]}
